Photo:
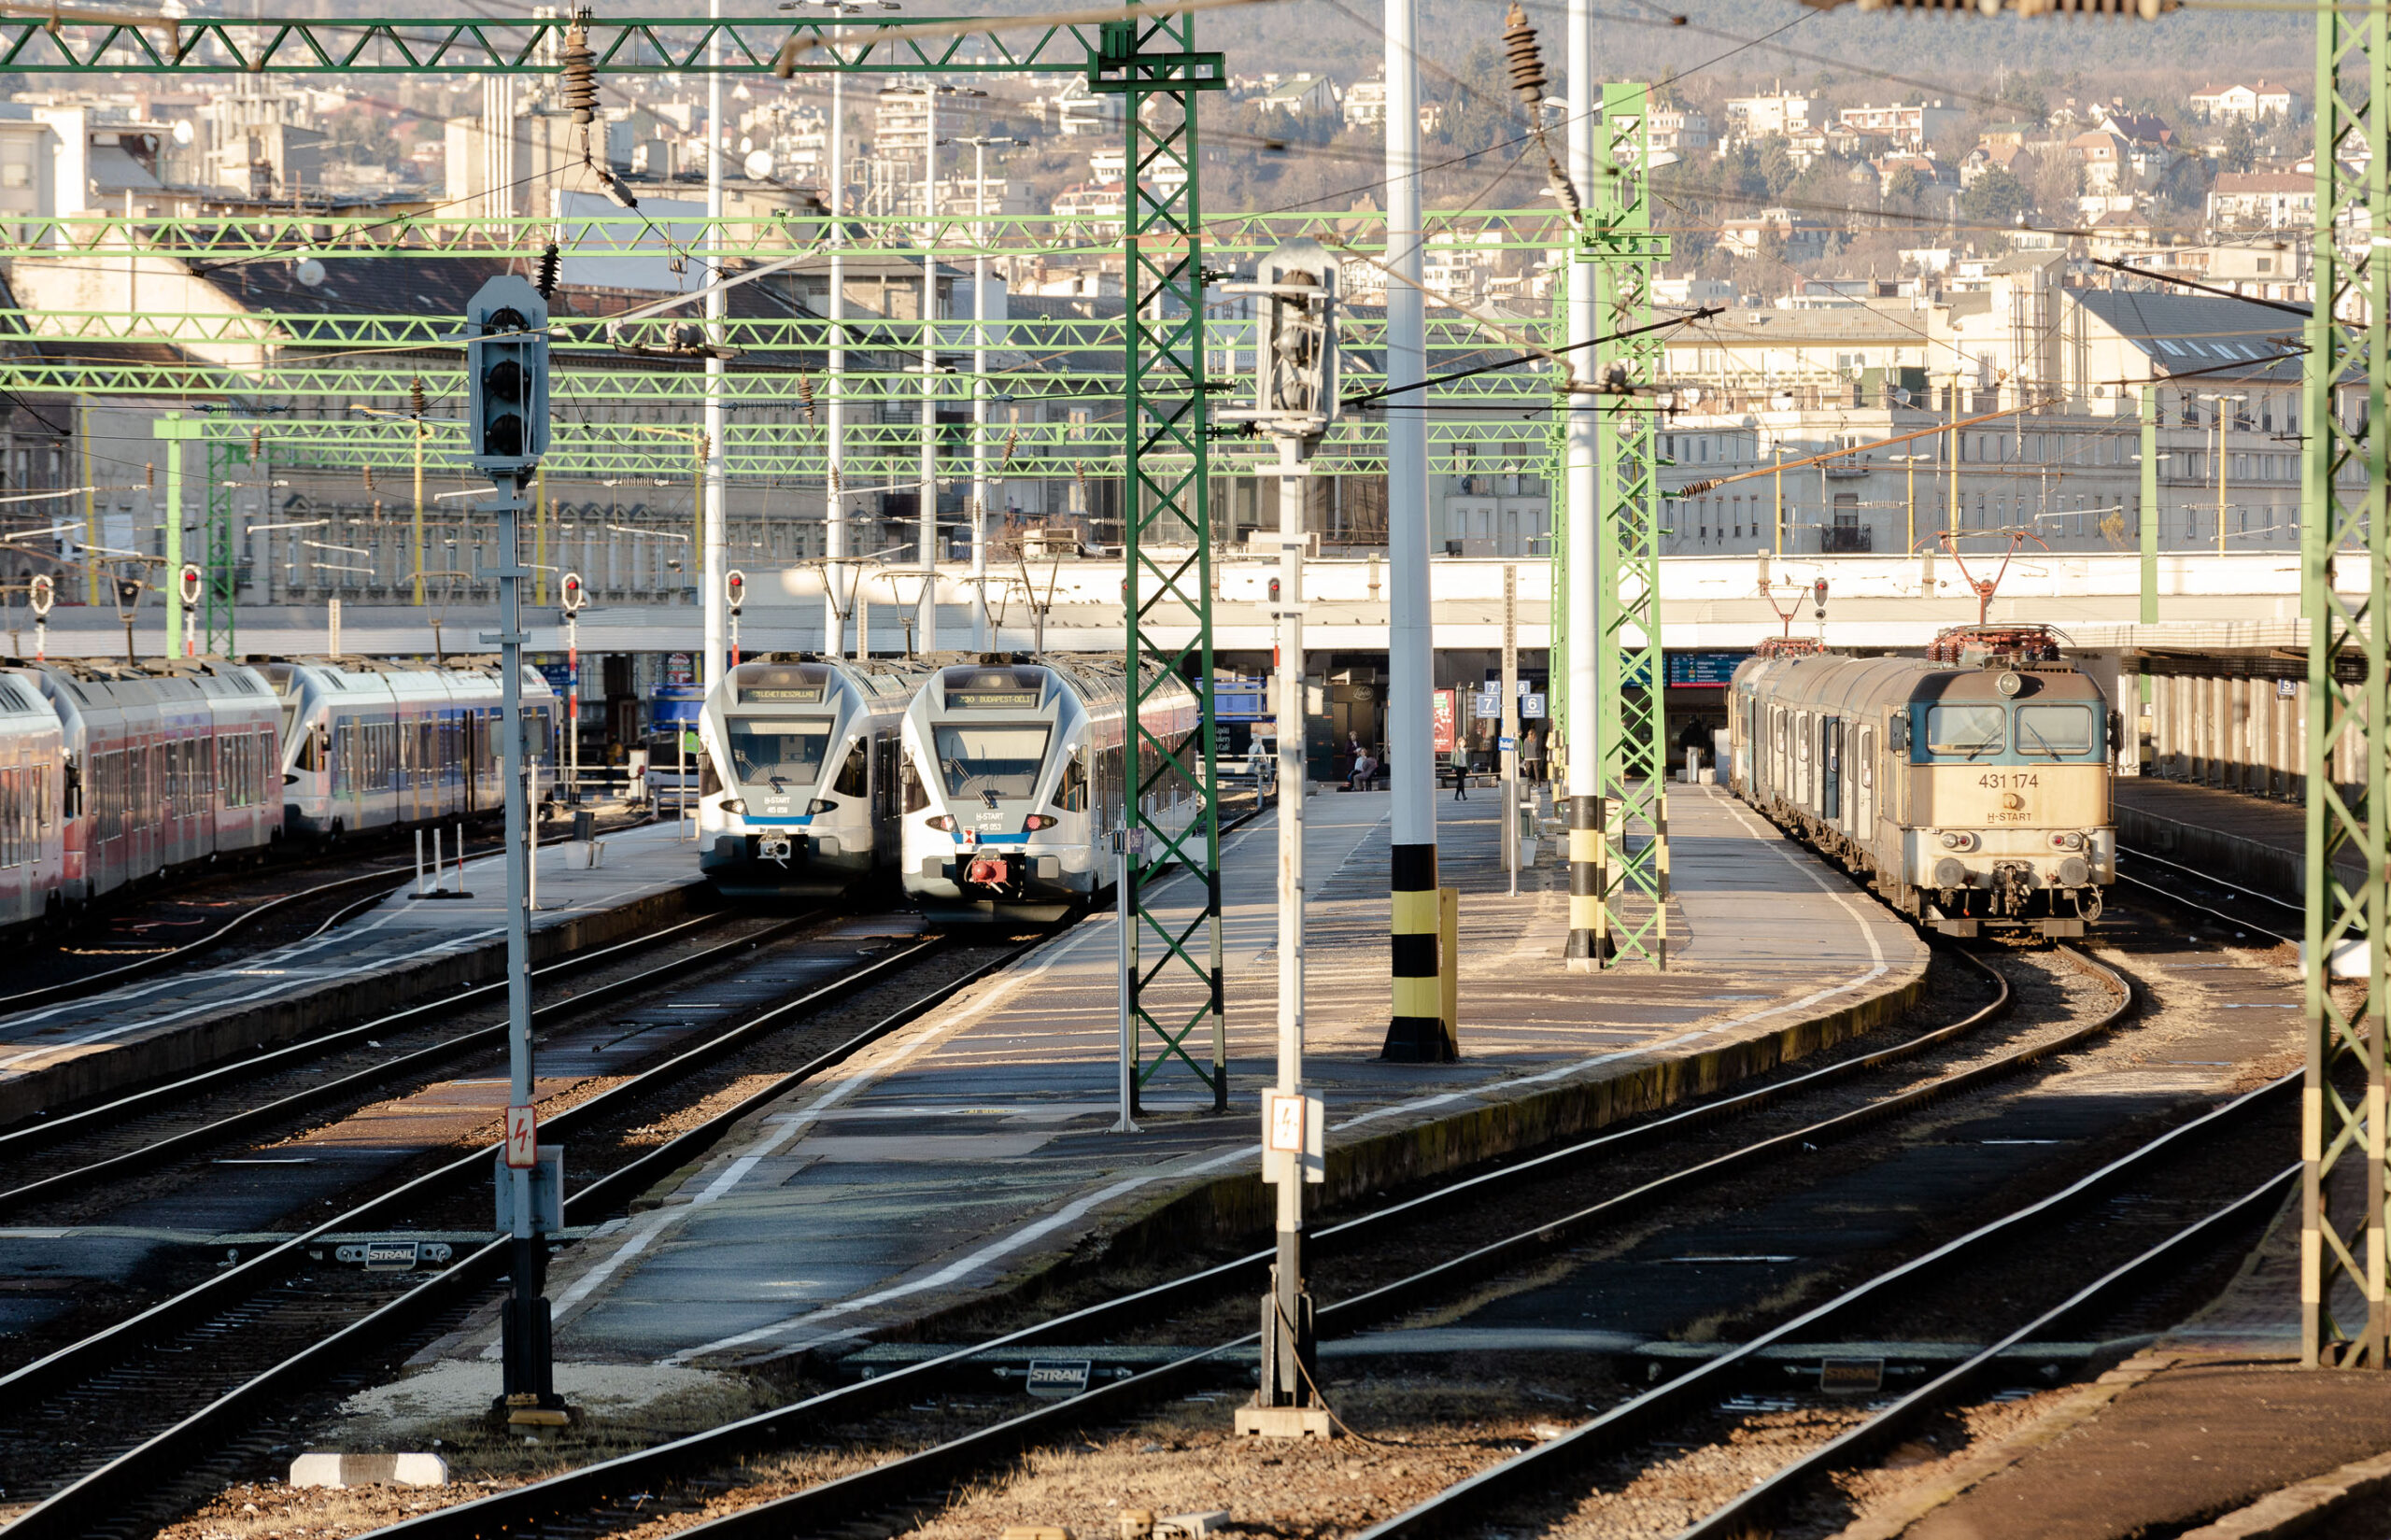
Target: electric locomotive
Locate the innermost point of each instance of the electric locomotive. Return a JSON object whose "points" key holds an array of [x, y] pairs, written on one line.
{"points": [[1972, 788], [1015, 772], [801, 774]]}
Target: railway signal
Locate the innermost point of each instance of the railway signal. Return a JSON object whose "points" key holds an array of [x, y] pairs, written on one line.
{"points": [[44, 593], [734, 592], [187, 591], [574, 597], [1294, 401], [506, 373]]}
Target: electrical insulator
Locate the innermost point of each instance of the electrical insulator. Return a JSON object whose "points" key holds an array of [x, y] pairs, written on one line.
{"points": [[369, 478], [546, 282], [1013, 441], [415, 394], [580, 75], [705, 446], [805, 394], [257, 444], [1524, 59], [150, 476]]}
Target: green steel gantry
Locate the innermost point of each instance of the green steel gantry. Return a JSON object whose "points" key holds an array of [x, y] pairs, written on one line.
{"points": [[1166, 535], [2343, 594], [1631, 738]]}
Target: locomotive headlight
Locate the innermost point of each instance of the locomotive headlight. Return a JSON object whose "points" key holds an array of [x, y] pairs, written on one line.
{"points": [[820, 805], [2067, 841], [1039, 820], [942, 822], [1958, 839], [737, 804], [2009, 683]]}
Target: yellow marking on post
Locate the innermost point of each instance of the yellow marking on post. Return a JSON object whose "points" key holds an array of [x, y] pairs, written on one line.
{"points": [[1415, 912]]}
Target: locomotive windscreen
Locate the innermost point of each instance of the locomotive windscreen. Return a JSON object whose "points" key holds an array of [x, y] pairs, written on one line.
{"points": [[2056, 729], [1000, 760], [763, 750], [1966, 729]]}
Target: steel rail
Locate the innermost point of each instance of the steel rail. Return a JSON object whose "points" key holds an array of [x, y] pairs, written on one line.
{"points": [[1744, 1514], [75, 989], [1619, 1429], [74, 1509], [2178, 899], [849, 1498], [37, 1135], [81, 1358], [579, 1489], [116, 1167]]}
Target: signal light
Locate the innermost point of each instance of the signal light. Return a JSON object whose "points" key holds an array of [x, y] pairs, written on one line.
{"points": [[574, 597], [187, 585], [1274, 590], [506, 373], [44, 593], [734, 588]]}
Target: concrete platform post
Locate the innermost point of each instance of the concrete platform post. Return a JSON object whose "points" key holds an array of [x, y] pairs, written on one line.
{"points": [[1583, 950], [1414, 1033]]}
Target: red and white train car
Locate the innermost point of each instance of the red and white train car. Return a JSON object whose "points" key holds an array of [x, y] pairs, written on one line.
{"points": [[167, 765], [32, 770]]}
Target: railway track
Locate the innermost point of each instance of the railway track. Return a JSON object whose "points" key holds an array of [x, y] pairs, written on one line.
{"points": [[705, 1469], [144, 1405], [80, 975]]}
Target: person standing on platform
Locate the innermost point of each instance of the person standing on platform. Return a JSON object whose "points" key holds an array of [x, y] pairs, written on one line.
{"points": [[1461, 777]]}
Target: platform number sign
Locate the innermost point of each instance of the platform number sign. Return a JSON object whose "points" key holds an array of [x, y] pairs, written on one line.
{"points": [[522, 1136]]}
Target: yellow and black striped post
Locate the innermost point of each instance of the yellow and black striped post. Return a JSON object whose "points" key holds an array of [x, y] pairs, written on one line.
{"points": [[1417, 1033], [1661, 920], [1588, 868]]}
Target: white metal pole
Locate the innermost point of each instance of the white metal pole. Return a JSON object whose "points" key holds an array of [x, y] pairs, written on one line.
{"points": [[927, 629], [980, 396], [1585, 770], [1287, 1354], [713, 558], [573, 700], [1509, 725], [834, 544], [1411, 670]]}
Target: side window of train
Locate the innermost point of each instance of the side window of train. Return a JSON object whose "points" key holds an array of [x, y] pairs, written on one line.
{"points": [[854, 776], [916, 798], [1867, 757], [1071, 795]]}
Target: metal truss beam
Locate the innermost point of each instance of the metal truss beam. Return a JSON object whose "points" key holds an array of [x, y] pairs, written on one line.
{"points": [[2342, 1135], [1152, 65], [532, 45], [265, 235], [1631, 722]]}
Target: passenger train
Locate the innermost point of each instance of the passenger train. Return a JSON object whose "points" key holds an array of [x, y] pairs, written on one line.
{"points": [[799, 783], [1013, 773], [1971, 787], [368, 744], [118, 771]]}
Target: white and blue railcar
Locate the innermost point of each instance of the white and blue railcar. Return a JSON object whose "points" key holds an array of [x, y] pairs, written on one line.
{"points": [[371, 744], [1016, 770], [799, 791]]}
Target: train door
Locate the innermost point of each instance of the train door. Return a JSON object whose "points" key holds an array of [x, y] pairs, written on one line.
{"points": [[885, 752], [1831, 768], [470, 721], [1863, 785]]}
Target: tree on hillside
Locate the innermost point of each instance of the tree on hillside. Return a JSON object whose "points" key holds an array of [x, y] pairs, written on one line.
{"points": [[1996, 198], [2240, 151]]}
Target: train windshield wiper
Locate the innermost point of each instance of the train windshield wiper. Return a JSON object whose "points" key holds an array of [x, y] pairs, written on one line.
{"points": [[1991, 740], [2038, 737]]}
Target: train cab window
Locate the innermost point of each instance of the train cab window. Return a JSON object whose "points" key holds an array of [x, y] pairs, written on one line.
{"points": [[1000, 761], [783, 753], [916, 797], [2058, 729], [1970, 730], [1071, 795], [854, 776]]}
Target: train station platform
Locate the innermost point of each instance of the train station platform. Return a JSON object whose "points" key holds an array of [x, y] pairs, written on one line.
{"points": [[2255, 842], [974, 1148], [400, 951]]}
